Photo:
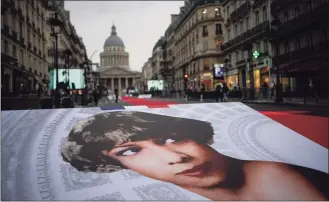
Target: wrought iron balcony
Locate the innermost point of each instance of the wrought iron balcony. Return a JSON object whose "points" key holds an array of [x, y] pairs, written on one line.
{"points": [[318, 16], [307, 52], [247, 36], [241, 11]]}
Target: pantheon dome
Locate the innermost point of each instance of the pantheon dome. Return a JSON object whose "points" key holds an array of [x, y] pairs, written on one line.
{"points": [[114, 68], [114, 54]]}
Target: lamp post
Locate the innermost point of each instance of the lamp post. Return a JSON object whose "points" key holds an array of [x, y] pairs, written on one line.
{"points": [[68, 63], [226, 67], [56, 24], [275, 25]]}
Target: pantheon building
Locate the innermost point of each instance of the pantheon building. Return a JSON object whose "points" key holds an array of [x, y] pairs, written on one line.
{"points": [[114, 68]]}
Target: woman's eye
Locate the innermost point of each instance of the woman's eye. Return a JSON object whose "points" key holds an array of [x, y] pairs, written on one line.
{"points": [[128, 152], [168, 141]]}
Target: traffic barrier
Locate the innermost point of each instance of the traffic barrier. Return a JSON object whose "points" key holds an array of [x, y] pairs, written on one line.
{"points": [[145, 96]]}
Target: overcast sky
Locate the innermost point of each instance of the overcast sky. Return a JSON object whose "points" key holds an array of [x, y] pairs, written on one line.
{"points": [[139, 24]]}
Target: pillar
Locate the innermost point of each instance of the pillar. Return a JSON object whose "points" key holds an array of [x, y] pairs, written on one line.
{"points": [[127, 82], [119, 89], [112, 84]]}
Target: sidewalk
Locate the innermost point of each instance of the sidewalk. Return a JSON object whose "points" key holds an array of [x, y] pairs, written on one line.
{"points": [[291, 101]]}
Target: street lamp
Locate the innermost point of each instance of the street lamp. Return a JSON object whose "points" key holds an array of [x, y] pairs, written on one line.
{"points": [[56, 25], [275, 26], [226, 62], [68, 63]]}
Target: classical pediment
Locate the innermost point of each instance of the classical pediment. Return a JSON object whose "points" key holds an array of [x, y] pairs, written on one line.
{"points": [[116, 71]]}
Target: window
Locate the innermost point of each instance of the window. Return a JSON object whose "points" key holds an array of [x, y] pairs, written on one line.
{"points": [[241, 27], [286, 47], [310, 5], [5, 18], [297, 44], [22, 57], [265, 47], [247, 23], [204, 14], [219, 29], [257, 17], [6, 47], [14, 23], [229, 34], [217, 13], [205, 45], [258, 46], [14, 51], [228, 12], [204, 31], [264, 14], [297, 12], [20, 29], [218, 43], [236, 30], [285, 16], [205, 64], [310, 40]]}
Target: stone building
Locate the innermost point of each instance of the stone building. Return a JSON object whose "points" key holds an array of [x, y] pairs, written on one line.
{"points": [[301, 46], [146, 74], [68, 41], [25, 44], [247, 29], [198, 36], [114, 69]]}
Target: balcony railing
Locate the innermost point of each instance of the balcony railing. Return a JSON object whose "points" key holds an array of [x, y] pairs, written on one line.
{"points": [[250, 34], [257, 3], [307, 52], [318, 15], [241, 11]]}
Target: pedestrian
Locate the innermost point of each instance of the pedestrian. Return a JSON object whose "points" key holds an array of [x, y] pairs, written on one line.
{"points": [[116, 93], [96, 97], [265, 87], [219, 93], [225, 92]]}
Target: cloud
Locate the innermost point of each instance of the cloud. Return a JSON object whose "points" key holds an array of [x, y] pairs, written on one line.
{"points": [[139, 24]]}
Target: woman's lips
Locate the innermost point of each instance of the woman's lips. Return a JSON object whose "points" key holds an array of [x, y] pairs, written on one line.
{"points": [[196, 171]]}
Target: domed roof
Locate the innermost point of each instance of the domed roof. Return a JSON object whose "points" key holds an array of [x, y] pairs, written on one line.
{"points": [[114, 39]]}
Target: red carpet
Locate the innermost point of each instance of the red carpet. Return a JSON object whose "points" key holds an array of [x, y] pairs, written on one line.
{"points": [[312, 127]]}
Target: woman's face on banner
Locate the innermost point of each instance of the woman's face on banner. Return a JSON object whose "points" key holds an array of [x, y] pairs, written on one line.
{"points": [[181, 162]]}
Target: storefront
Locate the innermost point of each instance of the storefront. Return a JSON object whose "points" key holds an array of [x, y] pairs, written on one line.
{"points": [[232, 81], [265, 75], [206, 80]]}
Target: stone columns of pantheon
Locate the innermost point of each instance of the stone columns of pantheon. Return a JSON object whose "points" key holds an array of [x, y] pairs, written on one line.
{"points": [[126, 82], [112, 84]]}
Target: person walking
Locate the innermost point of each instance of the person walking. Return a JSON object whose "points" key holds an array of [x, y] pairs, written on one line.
{"points": [[116, 93], [225, 92], [219, 93], [96, 97]]}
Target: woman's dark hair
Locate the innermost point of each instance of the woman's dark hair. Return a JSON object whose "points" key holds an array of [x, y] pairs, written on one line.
{"points": [[89, 137]]}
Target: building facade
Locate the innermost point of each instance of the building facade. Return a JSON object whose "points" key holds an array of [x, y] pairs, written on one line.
{"points": [[301, 46], [23, 46], [157, 54], [247, 30], [27, 47], [198, 37], [146, 74], [114, 70], [71, 49]]}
